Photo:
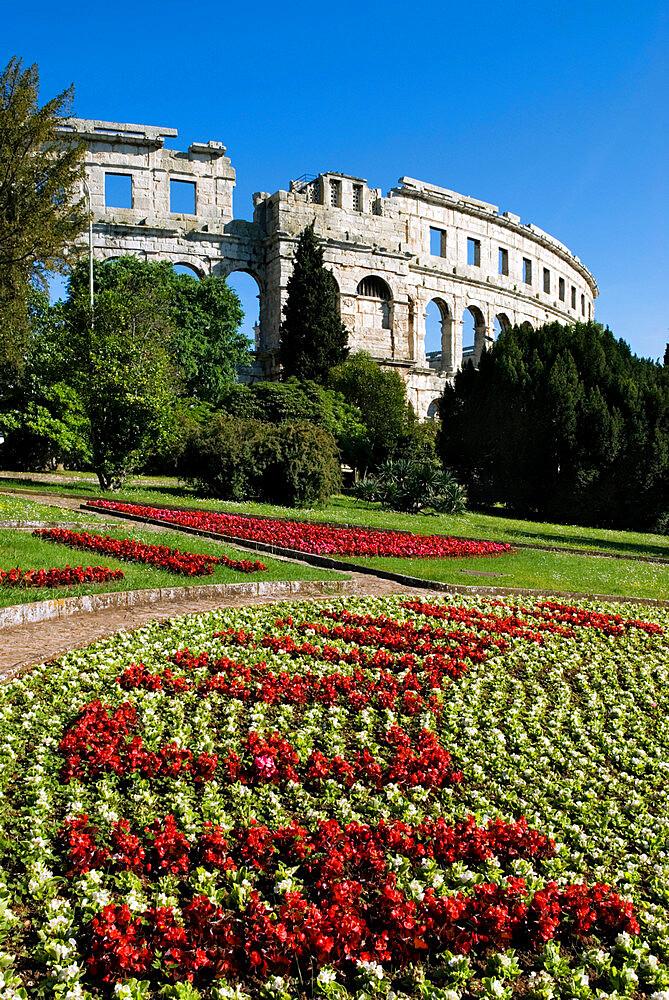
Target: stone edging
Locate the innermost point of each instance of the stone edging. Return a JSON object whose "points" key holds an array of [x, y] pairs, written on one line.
{"points": [[327, 562], [38, 611]]}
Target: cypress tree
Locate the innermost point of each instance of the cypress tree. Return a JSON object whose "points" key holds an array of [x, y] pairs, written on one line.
{"points": [[313, 337]]}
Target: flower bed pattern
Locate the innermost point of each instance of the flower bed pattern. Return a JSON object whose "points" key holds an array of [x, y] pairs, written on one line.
{"points": [[245, 806], [162, 556], [69, 576], [305, 536]]}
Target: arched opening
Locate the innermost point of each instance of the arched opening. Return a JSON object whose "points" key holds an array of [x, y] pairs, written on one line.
{"points": [[473, 334], [438, 335], [433, 410], [374, 300], [501, 324], [527, 326], [187, 269], [248, 289]]}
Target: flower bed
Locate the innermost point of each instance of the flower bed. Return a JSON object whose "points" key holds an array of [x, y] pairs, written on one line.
{"points": [[162, 556], [305, 536], [69, 576], [369, 798]]}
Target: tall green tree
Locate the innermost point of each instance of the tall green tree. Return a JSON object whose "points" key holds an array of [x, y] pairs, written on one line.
{"points": [[564, 423], [40, 411], [313, 338], [122, 369], [204, 315], [39, 218]]}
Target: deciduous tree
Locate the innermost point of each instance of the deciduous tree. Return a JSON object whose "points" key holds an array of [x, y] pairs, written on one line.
{"points": [[122, 370], [381, 398]]}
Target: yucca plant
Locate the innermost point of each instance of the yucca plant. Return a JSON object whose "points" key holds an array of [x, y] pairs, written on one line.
{"points": [[411, 486]]}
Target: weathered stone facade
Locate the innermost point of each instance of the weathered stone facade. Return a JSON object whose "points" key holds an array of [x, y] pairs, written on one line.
{"points": [[391, 256]]}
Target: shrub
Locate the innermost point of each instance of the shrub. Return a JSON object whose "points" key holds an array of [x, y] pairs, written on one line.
{"points": [[295, 401], [288, 464], [410, 486]]}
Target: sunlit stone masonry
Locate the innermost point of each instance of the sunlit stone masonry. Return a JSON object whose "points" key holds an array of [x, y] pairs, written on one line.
{"points": [[422, 263]]}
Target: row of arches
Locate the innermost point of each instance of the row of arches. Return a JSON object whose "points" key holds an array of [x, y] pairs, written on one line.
{"points": [[374, 309], [439, 340]]}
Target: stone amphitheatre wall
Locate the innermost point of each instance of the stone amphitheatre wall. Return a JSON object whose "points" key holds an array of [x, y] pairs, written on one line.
{"points": [[391, 256]]}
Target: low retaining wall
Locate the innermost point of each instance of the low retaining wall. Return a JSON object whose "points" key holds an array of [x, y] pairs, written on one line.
{"points": [[38, 611]]}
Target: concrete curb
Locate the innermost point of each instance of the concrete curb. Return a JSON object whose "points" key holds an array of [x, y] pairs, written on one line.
{"points": [[39, 611], [327, 562], [571, 550]]}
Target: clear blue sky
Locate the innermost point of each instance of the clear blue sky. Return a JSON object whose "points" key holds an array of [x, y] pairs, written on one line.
{"points": [[557, 112]]}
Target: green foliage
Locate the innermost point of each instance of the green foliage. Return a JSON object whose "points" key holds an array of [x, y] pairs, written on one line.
{"points": [[40, 412], [291, 464], [38, 219], [411, 485], [313, 337], [295, 401], [208, 347], [120, 368], [204, 317], [381, 398], [564, 423]]}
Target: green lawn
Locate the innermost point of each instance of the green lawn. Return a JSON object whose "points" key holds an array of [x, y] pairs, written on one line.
{"points": [[19, 548], [539, 570], [19, 509], [347, 510]]}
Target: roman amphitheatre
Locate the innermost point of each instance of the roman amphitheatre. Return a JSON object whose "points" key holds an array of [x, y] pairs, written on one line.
{"points": [[394, 257]]}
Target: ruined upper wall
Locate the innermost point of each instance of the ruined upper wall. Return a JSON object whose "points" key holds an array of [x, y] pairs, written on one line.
{"points": [[138, 151], [347, 211]]}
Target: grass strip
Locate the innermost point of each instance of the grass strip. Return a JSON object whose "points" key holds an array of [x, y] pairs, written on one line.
{"points": [[20, 549], [347, 510], [539, 570]]}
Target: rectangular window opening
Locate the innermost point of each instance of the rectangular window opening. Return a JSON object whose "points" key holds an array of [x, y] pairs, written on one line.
{"points": [[474, 252], [357, 197], [561, 289], [573, 297], [437, 242], [547, 281], [118, 190], [527, 271], [503, 263], [182, 197], [583, 305], [335, 194]]}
